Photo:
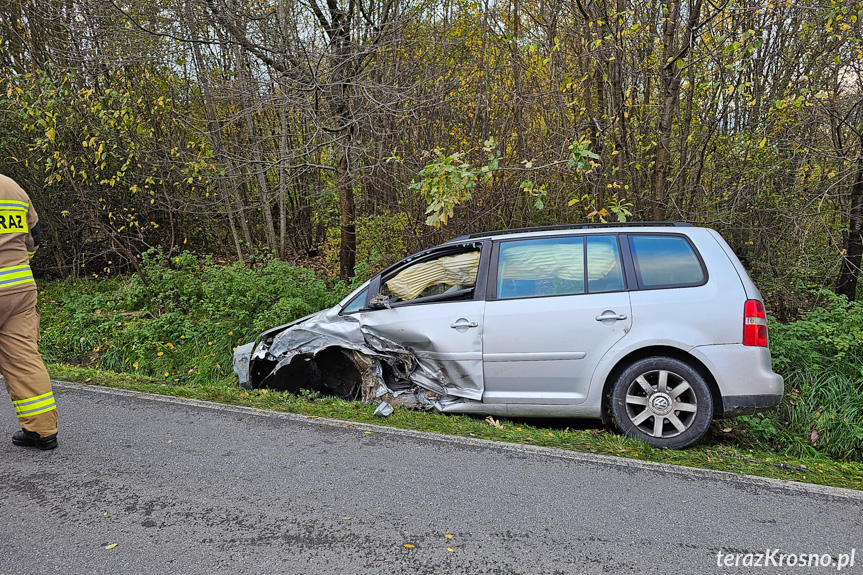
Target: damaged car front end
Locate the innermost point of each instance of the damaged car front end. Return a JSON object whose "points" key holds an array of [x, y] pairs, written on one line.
{"points": [[383, 349]]}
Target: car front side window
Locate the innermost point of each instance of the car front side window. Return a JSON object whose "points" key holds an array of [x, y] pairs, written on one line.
{"points": [[450, 276], [356, 304]]}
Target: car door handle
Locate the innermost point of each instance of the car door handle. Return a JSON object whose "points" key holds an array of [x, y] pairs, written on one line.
{"points": [[610, 315], [463, 324]]}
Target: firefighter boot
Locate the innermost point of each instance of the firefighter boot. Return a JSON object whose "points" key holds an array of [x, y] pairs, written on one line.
{"points": [[26, 438]]}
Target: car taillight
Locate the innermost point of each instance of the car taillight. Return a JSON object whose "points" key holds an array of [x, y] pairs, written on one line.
{"points": [[754, 324]]}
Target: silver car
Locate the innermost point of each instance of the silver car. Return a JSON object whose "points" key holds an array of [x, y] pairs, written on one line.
{"points": [[656, 327]]}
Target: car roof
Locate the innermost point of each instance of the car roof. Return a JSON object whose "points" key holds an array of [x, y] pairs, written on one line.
{"points": [[553, 230]]}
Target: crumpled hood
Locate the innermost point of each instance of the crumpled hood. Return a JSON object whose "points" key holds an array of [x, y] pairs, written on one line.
{"points": [[407, 376]]}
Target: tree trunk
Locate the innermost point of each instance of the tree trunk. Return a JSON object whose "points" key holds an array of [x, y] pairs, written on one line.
{"points": [[247, 85], [670, 75], [283, 182], [850, 271], [348, 247], [215, 136]]}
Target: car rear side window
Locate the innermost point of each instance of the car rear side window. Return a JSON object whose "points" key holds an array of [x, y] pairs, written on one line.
{"points": [[665, 261], [556, 266]]}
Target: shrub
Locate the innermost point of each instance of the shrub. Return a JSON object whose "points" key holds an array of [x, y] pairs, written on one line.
{"points": [[184, 323], [821, 357], [828, 338]]}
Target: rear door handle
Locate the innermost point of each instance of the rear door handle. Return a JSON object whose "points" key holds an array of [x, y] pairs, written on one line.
{"points": [[610, 315]]}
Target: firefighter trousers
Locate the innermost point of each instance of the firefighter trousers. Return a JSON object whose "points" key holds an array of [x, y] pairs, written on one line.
{"points": [[21, 364]]}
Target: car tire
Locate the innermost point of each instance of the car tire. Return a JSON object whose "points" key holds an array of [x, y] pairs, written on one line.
{"points": [[662, 401]]}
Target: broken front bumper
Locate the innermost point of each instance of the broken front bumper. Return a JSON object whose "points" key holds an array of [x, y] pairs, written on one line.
{"points": [[336, 355]]}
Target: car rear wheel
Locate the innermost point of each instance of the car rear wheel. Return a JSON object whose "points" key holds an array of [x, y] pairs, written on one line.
{"points": [[663, 402]]}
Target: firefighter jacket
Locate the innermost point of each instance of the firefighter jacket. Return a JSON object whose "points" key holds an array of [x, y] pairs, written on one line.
{"points": [[19, 238]]}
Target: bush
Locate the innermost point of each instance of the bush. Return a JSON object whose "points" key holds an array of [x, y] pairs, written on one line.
{"points": [[184, 323], [821, 357], [828, 339]]}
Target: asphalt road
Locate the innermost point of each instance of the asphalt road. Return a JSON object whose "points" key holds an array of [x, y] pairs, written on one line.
{"points": [[190, 487]]}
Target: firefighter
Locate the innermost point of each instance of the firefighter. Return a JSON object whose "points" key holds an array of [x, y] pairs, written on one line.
{"points": [[21, 364]]}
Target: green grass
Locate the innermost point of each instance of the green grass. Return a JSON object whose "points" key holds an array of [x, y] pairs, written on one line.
{"points": [[726, 448], [821, 414]]}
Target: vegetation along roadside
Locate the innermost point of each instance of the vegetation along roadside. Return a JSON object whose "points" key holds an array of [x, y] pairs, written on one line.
{"points": [[175, 335]]}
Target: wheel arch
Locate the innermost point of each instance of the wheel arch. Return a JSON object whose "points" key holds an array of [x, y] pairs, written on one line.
{"points": [[659, 351]]}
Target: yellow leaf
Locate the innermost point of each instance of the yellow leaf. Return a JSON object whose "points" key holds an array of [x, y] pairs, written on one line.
{"points": [[111, 546], [762, 142], [493, 422], [448, 536], [450, 549], [408, 546]]}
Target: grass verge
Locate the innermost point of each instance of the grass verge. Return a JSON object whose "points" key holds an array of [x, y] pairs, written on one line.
{"points": [[723, 449]]}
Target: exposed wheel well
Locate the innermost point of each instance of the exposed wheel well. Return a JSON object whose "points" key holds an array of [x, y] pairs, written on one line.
{"points": [[655, 351], [330, 372]]}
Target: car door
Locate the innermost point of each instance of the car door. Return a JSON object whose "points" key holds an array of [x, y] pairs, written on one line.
{"points": [[555, 306], [436, 311]]}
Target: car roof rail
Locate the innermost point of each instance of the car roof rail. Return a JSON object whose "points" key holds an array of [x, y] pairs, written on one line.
{"points": [[572, 227]]}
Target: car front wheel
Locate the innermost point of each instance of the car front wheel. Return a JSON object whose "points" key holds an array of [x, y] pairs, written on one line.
{"points": [[663, 402]]}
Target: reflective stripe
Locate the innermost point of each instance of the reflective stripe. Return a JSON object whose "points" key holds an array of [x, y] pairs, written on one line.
{"points": [[15, 275], [31, 254], [13, 205], [35, 405]]}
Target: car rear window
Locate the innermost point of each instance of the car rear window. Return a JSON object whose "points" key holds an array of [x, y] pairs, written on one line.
{"points": [[665, 261]]}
